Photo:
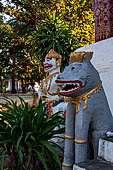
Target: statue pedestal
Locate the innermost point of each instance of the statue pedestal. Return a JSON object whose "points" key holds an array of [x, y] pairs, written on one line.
{"points": [[97, 164], [103, 62], [106, 149], [104, 160]]}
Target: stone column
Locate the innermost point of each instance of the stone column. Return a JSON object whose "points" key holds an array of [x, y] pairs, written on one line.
{"points": [[103, 11], [9, 85]]}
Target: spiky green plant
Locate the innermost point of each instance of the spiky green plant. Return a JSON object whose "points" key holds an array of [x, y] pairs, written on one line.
{"points": [[25, 135]]}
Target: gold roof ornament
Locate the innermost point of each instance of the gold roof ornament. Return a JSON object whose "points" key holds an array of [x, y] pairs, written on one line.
{"points": [[53, 54], [79, 56]]}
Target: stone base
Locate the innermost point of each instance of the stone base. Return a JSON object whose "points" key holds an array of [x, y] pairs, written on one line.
{"points": [[105, 157], [97, 164], [106, 149]]}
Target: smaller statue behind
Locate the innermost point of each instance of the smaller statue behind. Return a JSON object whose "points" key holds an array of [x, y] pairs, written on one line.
{"points": [[49, 90]]}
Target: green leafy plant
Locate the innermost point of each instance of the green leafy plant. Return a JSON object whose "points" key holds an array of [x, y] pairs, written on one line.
{"points": [[25, 135]]}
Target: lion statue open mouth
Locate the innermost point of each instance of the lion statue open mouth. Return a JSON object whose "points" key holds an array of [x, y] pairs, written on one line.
{"points": [[69, 87]]}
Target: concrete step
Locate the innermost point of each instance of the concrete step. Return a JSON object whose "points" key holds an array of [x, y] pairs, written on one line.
{"points": [[97, 164], [105, 150]]}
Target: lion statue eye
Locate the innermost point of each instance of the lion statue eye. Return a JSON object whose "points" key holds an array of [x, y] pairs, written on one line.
{"points": [[72, 68]]}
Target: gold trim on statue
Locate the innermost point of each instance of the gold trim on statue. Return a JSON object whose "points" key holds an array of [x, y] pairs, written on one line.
{"points": [[85, 97], [80, 141], [53, 54], [79, 56], [67, 165], [52, 101], [69, 137], [44, 84]]}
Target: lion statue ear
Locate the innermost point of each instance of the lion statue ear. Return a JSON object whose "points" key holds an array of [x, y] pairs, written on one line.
{"points": [[86, 58], [70, 61]]}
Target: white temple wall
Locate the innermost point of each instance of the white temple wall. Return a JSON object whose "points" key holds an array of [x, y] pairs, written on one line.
{"points": [[103, 62]]}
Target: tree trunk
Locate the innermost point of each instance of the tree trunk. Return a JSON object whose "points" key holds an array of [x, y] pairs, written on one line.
{"points": [[1, 86], [103, 11], [13, 91], [23, 86], [14, 56]]}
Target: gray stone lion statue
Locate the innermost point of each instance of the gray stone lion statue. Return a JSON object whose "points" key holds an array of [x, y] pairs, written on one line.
{"points": [[88, 115]]}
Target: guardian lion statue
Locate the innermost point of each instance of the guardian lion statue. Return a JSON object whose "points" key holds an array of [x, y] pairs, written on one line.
{"points": [[88, 116]]}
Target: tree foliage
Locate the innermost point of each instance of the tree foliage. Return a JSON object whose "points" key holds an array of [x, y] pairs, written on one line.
{"points": [[53, 34], [79, 16], [36, 26]]}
